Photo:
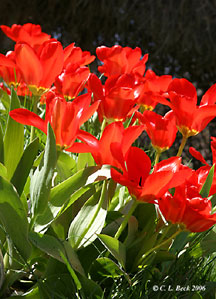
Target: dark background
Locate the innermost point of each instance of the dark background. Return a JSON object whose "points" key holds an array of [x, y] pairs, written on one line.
{"points": [[179, 35]]}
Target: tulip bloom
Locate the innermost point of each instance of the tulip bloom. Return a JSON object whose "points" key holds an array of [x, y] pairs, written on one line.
{"points": [[135, 173], [190, 118], [75, 55], [118, 60], [8, 69], [27, 33], [10, 73], [64, 117], [118, 96], [101, 149], [39, 68], [161, 130], [72, 81], [151, 89], [188, 208]]}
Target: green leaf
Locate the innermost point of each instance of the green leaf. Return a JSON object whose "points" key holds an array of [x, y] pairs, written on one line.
{"points": [[206, 246], [3, 171], [207, 185], [5, 99], [164, 256], [180, 241], [42, 178], [66, 165], [90, 220], [13, 139], [71, 271], [57, 248], [1, 146], [30, 294], [132, 230], [85, 160], [90, 288], [63, 191], [25, 164], [13, 217], [106, 267], [1, 269], [115, 247], [64, 195]]}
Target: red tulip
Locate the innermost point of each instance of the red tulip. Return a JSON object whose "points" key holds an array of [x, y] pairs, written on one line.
{"points": [[152, 89], [64, 117], [101, 149], [161, 130], [74, 55], [10, 73], [8, 69], [188, 208], [39, 68], [136, 173], [72, 81], [118, 96], [27, 33], [190, 118], [118, 60]]}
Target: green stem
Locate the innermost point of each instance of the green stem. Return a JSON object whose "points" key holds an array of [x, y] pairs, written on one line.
{"points": [[161, 244], [127, 217], [183, 142], [157, 157]]}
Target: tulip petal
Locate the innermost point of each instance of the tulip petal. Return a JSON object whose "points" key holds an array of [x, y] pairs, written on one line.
{"points": [[29, 64], [27, 117]]}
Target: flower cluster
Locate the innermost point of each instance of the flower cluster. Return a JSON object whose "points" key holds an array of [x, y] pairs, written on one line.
{"points": [[123, 101]]}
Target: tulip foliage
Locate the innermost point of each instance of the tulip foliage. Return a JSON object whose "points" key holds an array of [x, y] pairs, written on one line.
{"points": [[82, 198]]}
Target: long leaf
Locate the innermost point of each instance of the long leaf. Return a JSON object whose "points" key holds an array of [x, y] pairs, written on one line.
{"points": [[25, 164], [85, 160], [42, 178], [66, 165], [1, 145], [115, 247], [63, 191], [13, 139], [56, 248], [3, 171], [207, 185], [64, 195], [13, 217], [89, 221]]}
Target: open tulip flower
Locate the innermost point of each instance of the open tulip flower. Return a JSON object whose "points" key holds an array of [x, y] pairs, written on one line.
{"points": [[72, 81], [190, 118], [161, 130], [188, 208], [152, 89], [135, 173], [8, 69], [64, 117], [27, 33], [118, 96], [75, 55], [39, 68], [101, 149], [119, 60]]}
